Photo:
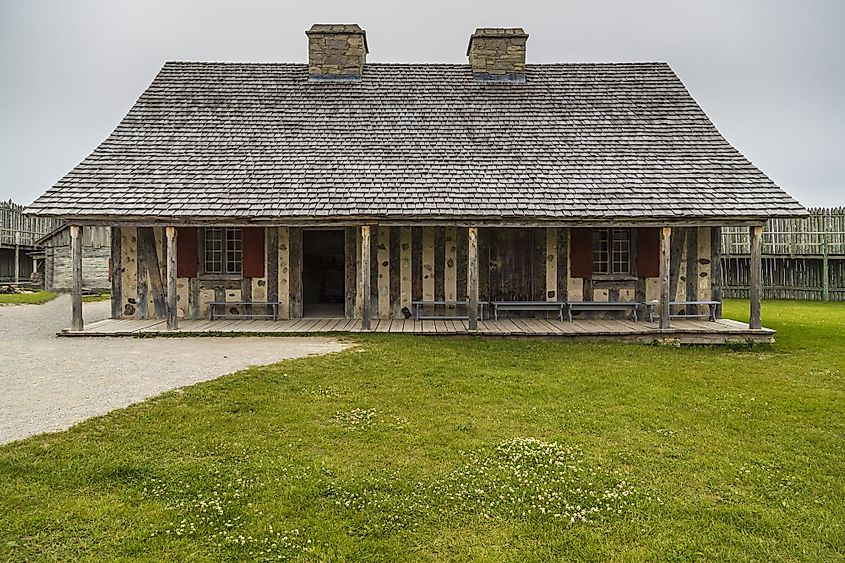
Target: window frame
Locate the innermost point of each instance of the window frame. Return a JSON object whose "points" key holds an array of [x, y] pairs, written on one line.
{"points": [[230, 253], [613, 236]]}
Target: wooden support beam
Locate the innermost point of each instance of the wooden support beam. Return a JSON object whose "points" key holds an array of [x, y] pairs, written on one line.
{"points": [[365, 277], [665, 267], [272, 249], [295, 269], [116, 273], [76, 294], [551, 264], [350, 269], [755, 280], [405, 272], [450, 262], [383, 269], [472, 278], [284, 273], [716, 268], [172, 322]]}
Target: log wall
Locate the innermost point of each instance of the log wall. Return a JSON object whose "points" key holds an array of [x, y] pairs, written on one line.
{"points": [[407, 264]]}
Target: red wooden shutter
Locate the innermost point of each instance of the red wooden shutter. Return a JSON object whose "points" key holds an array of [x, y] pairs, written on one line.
{"points": [[581, 253], [648, 252], [254, 255], [186, 252]]}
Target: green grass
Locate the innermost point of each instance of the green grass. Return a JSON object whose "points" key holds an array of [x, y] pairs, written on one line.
{"points": [[94, 298], [34, 298], [413, 448]]}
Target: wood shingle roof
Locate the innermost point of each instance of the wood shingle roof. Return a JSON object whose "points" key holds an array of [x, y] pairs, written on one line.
{"points": [[262, 141]]}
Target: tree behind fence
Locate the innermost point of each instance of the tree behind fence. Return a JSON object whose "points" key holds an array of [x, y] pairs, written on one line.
{"points": [[803, 258]]}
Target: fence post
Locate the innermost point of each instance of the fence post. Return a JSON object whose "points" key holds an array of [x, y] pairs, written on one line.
{"points": [[825, 270]]}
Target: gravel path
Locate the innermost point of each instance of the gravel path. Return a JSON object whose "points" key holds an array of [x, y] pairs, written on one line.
{"points": [[49, 383]]}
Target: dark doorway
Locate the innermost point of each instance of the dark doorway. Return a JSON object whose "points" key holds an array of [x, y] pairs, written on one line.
{"points": [[323, 274]]}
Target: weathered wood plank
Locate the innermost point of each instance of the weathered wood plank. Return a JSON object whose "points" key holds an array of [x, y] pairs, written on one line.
{"points": [[562, 264], [450, 262], [405, 268], [472, 277], [295, 269], [148, 265], [350, 267], [271, 239], [538, 264], [383, 269], [551, 264], [76, 322], [172, 317], [394, 301], [365, 277], [284, 272], [716, 268], [756, 292], [428, 263], [691, 273], [665, 267], [116, 273]]}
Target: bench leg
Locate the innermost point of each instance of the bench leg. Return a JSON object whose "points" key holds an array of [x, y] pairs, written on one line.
{"points": [[635, 314]]}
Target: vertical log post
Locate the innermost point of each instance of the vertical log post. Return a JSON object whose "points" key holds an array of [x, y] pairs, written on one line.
{"points": [[825, 268], [756, 233], [172, 322], [115, 240], [17, 256], [665, 266], [472, 278], [364, 277], [76, 294]]}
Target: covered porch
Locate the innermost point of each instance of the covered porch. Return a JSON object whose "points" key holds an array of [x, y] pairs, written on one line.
{"points": [[682, 331]]}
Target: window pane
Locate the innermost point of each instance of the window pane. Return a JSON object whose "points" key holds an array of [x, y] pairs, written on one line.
{"points": [[234, 250], [621, 253], [214, 250], [601, 257]]}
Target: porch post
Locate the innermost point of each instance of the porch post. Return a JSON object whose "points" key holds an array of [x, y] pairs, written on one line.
{"points": [[756, 292], [665, 257], [364, 277], [472, 278], [76, 292], [172, 322]]}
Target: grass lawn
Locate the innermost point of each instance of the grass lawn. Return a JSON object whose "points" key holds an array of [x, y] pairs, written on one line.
{"points": [[94, 298], [415, 448], [34, 298]]}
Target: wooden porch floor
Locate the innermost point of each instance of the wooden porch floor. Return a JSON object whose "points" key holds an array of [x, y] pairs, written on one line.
{"points": [[684, 331]]}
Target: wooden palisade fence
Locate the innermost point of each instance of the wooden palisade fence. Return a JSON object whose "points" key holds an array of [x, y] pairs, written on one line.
{"points": [[803, 258], [18, 234]]}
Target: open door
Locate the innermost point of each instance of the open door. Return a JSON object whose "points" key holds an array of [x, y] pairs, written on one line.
{"points": [[323, 274]]}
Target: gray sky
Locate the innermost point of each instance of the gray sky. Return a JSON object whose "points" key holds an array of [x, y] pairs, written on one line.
{"points": [[769, 73]]}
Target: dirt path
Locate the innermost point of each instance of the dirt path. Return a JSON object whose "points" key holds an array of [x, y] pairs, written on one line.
{"points": [[49, 383]]}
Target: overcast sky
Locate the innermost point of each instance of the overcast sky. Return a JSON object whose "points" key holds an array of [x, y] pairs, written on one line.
{"points": [[769, 73]]}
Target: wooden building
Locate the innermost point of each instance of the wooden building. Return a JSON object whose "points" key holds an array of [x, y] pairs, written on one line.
{"points": [[346, 189], [20, 255], [58, 259]]}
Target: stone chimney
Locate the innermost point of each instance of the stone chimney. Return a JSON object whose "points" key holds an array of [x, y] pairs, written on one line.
{"points": [[498, 54], [336, 51]]}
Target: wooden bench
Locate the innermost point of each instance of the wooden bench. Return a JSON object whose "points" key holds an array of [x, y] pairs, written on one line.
{"points": [[602, 306], [419, 305], [271, 306], [712, 306], [535, 306]]}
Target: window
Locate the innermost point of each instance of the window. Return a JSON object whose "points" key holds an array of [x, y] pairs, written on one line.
{"points": [[223, 250], [612, 251]]}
